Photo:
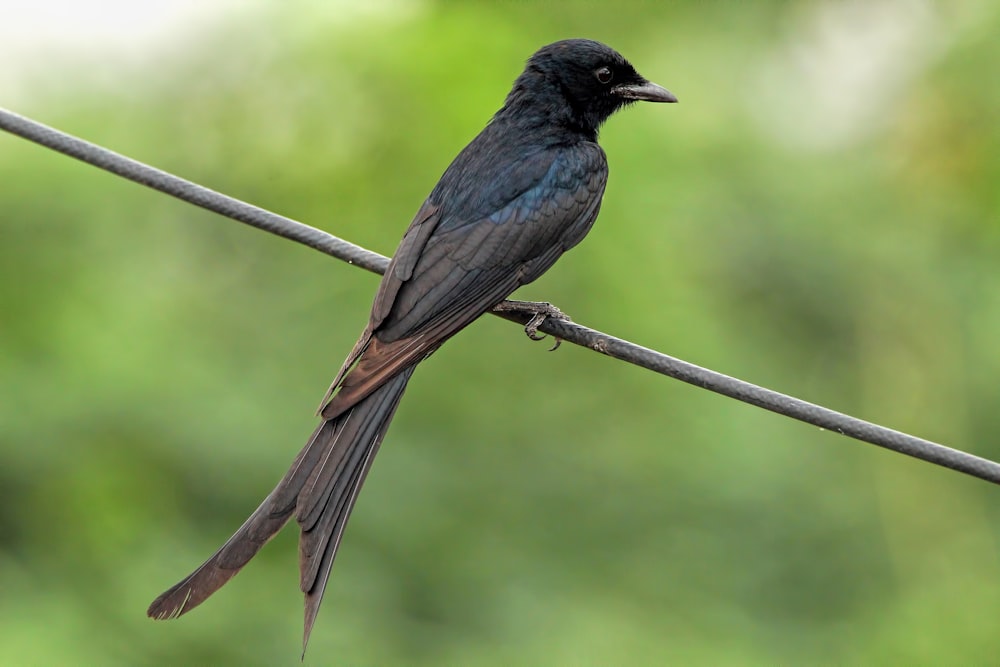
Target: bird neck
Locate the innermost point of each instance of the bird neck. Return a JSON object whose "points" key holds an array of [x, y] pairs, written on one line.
{"points": [[546, 110]]}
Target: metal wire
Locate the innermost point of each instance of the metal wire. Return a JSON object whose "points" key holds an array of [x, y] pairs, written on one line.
{"points": [[570, 332], [191, 192]]}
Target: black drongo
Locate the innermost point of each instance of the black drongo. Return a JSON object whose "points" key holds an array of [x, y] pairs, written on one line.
{"points": [[523, 192]]}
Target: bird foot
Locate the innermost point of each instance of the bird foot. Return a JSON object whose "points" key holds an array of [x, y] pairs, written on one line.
{"points": [[539, 311]]}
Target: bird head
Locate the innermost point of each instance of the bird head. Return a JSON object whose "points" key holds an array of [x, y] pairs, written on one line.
{"points": [[580, 83]]}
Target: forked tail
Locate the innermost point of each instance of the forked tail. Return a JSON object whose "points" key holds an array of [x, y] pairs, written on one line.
{"points": [[320, 489]]}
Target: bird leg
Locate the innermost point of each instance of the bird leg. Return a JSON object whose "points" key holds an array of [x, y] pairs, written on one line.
{"points": [[537, 311]]}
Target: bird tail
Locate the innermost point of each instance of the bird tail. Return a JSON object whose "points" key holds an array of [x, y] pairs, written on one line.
{"points": [[320, 489]]}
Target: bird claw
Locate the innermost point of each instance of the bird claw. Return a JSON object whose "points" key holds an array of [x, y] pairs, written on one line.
{"points": [[531, 328], [539, 312]]}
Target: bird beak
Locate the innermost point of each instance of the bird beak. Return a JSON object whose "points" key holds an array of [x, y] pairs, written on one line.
{"points": [[646, 91]]}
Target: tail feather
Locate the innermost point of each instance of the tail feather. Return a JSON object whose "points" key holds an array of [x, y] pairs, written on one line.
{"points": [[273, 513], [325, 504], [320, 489]]}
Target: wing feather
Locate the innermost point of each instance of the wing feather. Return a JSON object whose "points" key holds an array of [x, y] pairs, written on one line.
{"points": [[449, 271]]}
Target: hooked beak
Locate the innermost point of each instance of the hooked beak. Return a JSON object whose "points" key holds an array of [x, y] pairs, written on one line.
{"points": [[646, 91]]}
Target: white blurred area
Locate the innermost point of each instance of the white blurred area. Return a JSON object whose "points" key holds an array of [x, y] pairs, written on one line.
{"points": [[842, 67], [39, 38], [46, 44]]}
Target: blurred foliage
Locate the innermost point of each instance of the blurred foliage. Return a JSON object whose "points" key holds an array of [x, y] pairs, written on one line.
{"points": [[820, 214]]}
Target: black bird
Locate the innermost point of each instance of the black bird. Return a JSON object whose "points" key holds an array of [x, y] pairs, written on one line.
{"points": [[524, 191]]}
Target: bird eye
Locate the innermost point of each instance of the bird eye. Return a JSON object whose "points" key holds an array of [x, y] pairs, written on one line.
{"points": [[603, 74]]}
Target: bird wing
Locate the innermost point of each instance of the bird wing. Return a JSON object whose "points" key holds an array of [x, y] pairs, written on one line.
{"points": [[452, 267], [400, 270]]}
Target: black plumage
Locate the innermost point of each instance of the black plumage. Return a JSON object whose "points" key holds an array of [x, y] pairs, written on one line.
{"points": [[524, 191]]}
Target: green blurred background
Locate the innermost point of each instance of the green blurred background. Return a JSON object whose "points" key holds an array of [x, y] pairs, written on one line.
{"points": [[820, 214]]}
